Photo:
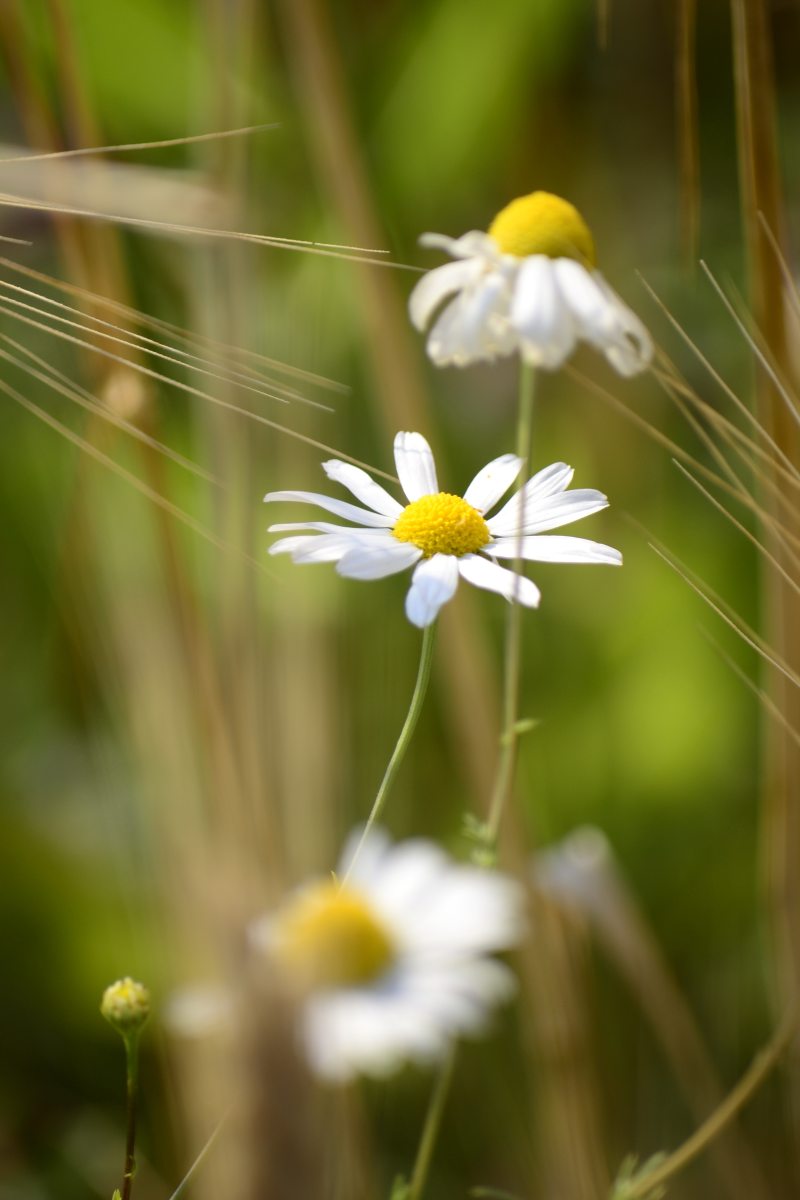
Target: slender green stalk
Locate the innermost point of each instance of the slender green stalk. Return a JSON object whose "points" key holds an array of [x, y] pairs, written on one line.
{"points": [[505, 772], [748, 1085], [513, 642], [430, 1130], [406, 733], [131, 1041], [184, 1183]]}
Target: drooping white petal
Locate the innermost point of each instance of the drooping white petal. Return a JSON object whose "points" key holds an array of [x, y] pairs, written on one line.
{"points": [[474, 325], [377, 561], [483, 309], [587, 301], [493, 482], [433, 583], [363, 487], [415, 466], [488, 575], [556, 548], [550, 481], [540, 316], [445, 343], [633, 347], [436, 285], [350, 512]]}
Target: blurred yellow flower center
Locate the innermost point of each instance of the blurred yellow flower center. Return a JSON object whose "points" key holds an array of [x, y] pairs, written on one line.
{"points": [[543, 224], [442, 524], [331, 937]]}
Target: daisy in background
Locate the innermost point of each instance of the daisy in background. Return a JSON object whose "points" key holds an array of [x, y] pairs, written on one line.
{"points": [[445, 537], [388, 967], [529, 284], [395, 963]]}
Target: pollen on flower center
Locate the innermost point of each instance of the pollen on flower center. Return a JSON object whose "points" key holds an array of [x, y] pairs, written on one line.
{"points": [[442, 524], [543, 224], [330, 936]]}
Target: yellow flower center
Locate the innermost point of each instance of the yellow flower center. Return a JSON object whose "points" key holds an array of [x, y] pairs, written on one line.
{"points": [[330, 936], [442, 524], [543, 224]]}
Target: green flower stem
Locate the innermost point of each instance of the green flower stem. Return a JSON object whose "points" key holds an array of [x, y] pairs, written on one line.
{"points": [[764, 1062], [430, 1130], [131, 1041], [406, 733], [513, 640], [503, 780]]}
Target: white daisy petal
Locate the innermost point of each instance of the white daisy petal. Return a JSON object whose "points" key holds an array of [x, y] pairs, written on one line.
{"points": [[551, 481], [482, 311], [415, 466], [376, 562], [329, 527], [587, 301], [350, 512], [633, 348], [363, 859], [540, 316], [434, 582], [315, 548], [409, 873], [554, 511], [493, 482], [435, 286], [359, 1032], [460, 994], [492, 578], [557, 548], [290, 544], [470, 245], [363, 487], [469, 912], [446, 343]]}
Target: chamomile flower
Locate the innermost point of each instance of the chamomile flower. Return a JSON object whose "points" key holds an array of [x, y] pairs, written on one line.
{"points": [[395, 963], [530, 285], [442, 536]]}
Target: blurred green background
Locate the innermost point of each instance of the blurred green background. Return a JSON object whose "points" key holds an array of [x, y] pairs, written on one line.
{"points": [[178, 716]]}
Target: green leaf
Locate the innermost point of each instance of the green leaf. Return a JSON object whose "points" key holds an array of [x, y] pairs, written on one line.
{"points": [[629, 1178], [401, 1189]]}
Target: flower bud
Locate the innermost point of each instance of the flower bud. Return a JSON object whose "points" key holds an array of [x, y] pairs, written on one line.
{"points": [[126, 1005]]}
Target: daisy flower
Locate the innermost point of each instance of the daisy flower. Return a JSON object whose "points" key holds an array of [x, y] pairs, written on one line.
{"points": [[445, 537], [529, 284], [394, 964]]}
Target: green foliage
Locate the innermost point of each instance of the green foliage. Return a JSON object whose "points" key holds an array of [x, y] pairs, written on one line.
{"points": [[632, 1180]]}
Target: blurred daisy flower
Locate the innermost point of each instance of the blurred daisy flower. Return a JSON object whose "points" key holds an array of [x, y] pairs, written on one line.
{"points": [[529, 284], [393, 964], [442, 536]]}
